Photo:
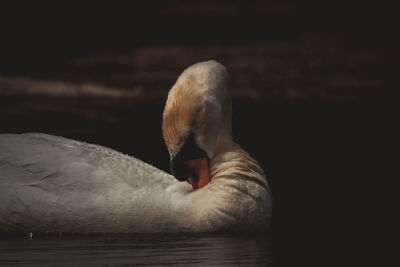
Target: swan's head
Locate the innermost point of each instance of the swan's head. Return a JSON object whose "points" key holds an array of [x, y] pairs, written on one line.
{"points": [[197, 114]]}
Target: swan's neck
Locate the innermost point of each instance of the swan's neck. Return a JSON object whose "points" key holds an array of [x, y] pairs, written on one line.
{"points": [[237, 196], [231, 163]]}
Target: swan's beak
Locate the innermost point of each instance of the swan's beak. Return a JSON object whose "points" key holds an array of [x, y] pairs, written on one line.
{"points": [[191, 164], [199, 177], [194, 171]]}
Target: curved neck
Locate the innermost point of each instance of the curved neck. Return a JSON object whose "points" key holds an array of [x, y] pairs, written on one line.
{"points": [[231, 162], [238, 194]]}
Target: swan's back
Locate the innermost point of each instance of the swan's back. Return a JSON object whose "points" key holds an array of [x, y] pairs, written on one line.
{"points": [[53, 181]]}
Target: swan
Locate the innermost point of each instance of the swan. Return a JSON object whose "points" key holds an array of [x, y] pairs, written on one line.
{"points": [[54, 184]]}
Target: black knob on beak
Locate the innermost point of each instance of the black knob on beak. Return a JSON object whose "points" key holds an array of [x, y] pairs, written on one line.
{"points": [[189, 150]]}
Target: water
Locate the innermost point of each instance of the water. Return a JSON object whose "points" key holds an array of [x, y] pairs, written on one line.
{"points": [[137, 250]]}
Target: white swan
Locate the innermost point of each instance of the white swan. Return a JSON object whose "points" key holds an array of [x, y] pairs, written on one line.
{"points": [[54, 184]]}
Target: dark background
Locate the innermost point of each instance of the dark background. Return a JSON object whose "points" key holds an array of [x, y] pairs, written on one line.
{"points": [[308, 85]]}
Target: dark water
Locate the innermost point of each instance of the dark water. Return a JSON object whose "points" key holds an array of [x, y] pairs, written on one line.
{"points": [[137, 250]]}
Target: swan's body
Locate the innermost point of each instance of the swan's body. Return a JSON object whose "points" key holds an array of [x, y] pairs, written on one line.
{"points": [[54, 184]]}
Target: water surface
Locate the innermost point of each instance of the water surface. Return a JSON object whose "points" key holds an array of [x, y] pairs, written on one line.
{"points": [[144, 249]]}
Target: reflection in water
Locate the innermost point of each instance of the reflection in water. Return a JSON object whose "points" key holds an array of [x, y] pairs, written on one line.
{"points": [[126, 250]]}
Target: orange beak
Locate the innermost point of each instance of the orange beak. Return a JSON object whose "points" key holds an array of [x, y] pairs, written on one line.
{"points": [[200, 177]]}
